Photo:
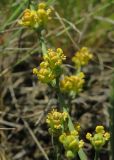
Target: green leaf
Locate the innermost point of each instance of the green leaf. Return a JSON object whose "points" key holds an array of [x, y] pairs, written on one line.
{"points": [[82, 155]]}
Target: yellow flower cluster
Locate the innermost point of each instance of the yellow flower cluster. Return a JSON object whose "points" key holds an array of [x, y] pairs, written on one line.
{"points": [[71, 143], [35, 18], [99, 138], [44, 74], [54, 58], [56, 121], [50, 68], [82, 57], [72, 83]]}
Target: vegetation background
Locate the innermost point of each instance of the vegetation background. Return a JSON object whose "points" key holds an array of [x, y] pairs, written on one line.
{"points": [[24, 102]]}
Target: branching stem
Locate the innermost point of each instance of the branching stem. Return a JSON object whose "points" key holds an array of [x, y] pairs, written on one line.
{"points": [[64, 107]]}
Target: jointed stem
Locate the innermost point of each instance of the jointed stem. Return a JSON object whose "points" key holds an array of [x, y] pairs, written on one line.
{"points": [[57, 149], [111, 113], [64, 107], [61, 100], [43, 45], [42, 41]]}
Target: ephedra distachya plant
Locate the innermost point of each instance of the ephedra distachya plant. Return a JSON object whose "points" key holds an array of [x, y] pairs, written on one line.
{"points": [[51, 71]]}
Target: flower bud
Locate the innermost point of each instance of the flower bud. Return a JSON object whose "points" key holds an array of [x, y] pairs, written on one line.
{"points": [[82, 57], [71, 143], [56, 121], [99, 139], [35, 18], [72, 83]]}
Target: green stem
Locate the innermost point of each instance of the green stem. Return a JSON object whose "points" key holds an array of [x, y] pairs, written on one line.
{"points": [[57, 148], [42, 41], [60, 96], [96, 155], [29, 3], [64, 107], [111, 113], [43, 45]]}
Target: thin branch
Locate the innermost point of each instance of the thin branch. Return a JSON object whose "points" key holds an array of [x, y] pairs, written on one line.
{"points": [[67, 32], [11, 124], [36, 140]]}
